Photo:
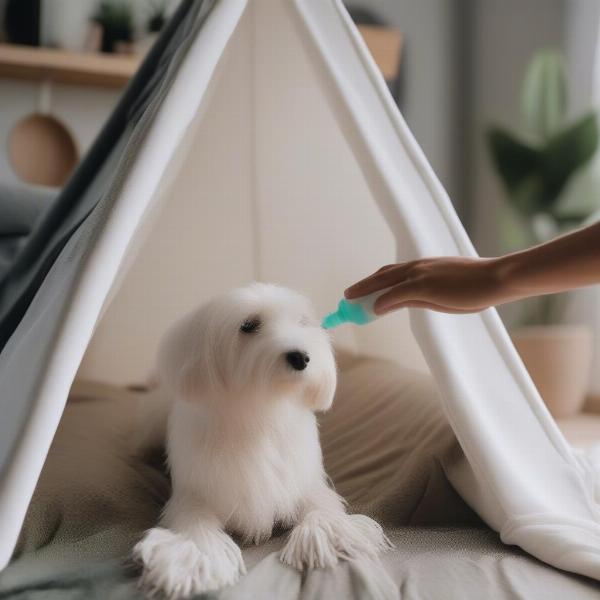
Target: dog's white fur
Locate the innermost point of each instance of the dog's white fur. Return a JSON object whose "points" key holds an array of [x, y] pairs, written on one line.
{"points": [[243, 447]]}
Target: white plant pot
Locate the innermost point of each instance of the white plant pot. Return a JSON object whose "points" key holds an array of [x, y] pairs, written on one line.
{"points": [[559, 359], [584, 309], [65, 23]]}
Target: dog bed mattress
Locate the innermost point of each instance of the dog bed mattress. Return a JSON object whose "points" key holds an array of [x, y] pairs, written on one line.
{"points": [[387, 446]]}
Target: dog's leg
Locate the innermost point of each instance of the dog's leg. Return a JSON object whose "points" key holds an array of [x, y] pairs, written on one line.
{"points": [[325, 533], [152, 415], [190, 554]]}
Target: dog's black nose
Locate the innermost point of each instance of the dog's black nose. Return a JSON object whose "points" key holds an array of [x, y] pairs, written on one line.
{"points": [[297, 360]]}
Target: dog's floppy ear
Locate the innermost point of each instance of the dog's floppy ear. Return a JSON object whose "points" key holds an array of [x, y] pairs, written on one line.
{"points": [[319, 394], [191, 382], [186, 361]]}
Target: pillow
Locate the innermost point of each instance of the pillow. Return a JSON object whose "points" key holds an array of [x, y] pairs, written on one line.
{"points": [[387, 445]]}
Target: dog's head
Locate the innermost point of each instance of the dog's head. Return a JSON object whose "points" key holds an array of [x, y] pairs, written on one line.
{"points": [[258, 342]]}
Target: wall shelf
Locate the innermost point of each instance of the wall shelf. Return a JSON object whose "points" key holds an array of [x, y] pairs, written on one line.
{"points": [[115, 70], [88, 69], [385, 44]]}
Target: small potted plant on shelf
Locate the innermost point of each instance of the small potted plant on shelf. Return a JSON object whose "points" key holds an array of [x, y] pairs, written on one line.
{"points": [[115, 18], [155, 21], [536, 169], [157, 16]]}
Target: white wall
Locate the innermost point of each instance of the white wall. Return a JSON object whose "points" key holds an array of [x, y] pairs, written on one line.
{"points": [[582, 45], [505, 35], [428, 73], [82, 110], [65, 22]]}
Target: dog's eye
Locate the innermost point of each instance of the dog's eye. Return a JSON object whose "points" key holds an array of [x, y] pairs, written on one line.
{"points": [[250, 325]]}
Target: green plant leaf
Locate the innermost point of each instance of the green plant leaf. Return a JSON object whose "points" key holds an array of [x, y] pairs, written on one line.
{"points": [[544, 94], [514, 160], [566, 152], [529, 197], [116, 17], [515, 231], [567, 221]]}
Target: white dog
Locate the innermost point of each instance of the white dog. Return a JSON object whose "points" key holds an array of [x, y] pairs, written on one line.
{"points": [[245, 374]]}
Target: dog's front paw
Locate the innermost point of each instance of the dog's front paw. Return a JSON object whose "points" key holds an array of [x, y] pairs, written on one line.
{"points": [[322, 538], [180, 567]]}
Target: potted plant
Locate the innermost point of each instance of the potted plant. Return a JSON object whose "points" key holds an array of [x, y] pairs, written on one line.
{"points": [[536, 168], [155, 21], [157, 16], [115, 18]]}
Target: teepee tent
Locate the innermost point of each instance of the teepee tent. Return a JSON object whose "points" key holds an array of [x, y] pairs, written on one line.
{"points": [[259, 141]]}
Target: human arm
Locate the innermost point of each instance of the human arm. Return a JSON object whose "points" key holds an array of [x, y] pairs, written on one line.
{"points": [[465, 285]]}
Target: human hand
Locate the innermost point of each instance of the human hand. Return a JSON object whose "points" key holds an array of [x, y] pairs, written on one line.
{"points": [[445, 284]]}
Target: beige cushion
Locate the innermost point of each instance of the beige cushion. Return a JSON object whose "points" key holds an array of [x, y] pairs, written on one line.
{"points": [[386, 443]]}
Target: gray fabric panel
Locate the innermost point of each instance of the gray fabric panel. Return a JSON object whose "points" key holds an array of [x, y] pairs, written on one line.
{"points": [[20, 208], [23, 359]]}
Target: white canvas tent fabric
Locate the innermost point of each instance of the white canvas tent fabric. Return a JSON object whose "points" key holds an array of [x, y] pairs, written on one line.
{"points": [[269, 148]]}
